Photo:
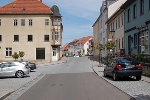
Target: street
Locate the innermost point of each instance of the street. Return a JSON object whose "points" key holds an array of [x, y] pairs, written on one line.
{"points": [[74, 80]]}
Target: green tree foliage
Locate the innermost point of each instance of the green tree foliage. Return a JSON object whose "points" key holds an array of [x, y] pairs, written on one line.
{"points": [[21, 54], [110, 45], [15, 55], [100, 47]]}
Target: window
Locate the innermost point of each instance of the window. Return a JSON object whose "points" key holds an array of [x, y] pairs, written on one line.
{"points": [[149, 4], [135, 39], [8, 52], [0, 37], [15, 22], [134, 11], [122, 20], [116, 24], [55, 35], [46, 37], [0, 22], [30, 22], [119, 22], [142, 6], [128, 15], [144, 42], [16, 38], [119, 43], [29, 37], [47, 22], [22, 22], [122, 43]]}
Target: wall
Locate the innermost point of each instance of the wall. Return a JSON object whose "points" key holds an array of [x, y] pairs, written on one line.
{"points": [[38, 30]]}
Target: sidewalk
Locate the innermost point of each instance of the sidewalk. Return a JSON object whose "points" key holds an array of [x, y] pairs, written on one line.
{"points": [[6, 91], [99, 71]]}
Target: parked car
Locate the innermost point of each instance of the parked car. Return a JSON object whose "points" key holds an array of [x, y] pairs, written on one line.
{"points": [[120, 67], [31, 65], [8, 69]]}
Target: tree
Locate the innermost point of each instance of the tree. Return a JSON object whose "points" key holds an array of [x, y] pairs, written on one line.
{"points": [[15, 55], [21, 54], [100, 47], [110, 45]]}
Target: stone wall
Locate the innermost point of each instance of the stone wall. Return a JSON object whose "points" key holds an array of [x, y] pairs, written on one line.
{"points": [[146, 70]]}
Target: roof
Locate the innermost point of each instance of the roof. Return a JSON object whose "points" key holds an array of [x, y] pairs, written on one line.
{"points": [[84, 39], [127, 3], [55, 11], [25, 7], [65, 47]]}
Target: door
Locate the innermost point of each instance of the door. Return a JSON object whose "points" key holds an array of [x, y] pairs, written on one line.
{"points": [[40, 53], [54, 54]]}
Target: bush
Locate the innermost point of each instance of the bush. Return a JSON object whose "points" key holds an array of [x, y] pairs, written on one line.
{"points": [[15, 55]]}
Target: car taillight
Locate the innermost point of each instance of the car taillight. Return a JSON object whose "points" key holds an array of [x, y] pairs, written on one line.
{"points": [[139, 66], [26, 66], [34, 64], [118, 67]]}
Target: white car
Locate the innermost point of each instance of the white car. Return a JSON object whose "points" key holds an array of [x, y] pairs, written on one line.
{"points": [[17, 69], [76, 56]]}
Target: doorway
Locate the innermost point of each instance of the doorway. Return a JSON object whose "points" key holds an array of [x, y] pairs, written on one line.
{"points": [[40, 53]]}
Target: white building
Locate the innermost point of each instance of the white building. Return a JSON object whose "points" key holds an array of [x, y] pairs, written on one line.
{"points": [[107, 9]]}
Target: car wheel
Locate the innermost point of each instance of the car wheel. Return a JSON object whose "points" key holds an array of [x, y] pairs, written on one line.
{"points": [[138, 77], [115, 77], [19, 74]]}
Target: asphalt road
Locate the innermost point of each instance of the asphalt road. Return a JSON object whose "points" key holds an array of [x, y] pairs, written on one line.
{"points": [[74, 80]]}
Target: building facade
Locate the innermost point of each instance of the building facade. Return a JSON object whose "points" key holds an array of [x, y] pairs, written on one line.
{"points": [[137, 26], [32, 27], [115, 26]]}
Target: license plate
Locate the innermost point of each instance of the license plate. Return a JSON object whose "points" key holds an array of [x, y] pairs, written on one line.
{"points": [[131, 66]]}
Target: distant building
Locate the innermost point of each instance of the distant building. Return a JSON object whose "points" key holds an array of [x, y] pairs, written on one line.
{"points": [[83, 45], [32, 27]]}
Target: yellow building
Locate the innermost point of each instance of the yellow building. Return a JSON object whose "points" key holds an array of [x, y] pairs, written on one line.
{"points": [[115, 30], [96, 38], [32, 27]]}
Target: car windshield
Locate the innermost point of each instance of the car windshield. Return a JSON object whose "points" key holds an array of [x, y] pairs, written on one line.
{"points": [[128, 60]]}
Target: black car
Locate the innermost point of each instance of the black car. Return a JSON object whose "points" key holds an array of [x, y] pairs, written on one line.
{"points": [[31, 65], [122, 66]]}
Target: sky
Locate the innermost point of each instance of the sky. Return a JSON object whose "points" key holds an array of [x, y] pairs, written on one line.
{"points": [[78, 16]]}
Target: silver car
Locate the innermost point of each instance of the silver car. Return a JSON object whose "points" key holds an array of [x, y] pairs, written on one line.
{"points": [[13, 69]]}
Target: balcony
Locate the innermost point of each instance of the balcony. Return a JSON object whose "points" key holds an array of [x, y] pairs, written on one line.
{"points": [[56, 42]]}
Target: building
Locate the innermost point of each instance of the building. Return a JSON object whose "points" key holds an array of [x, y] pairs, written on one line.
{"points": [[137, 26], [83, 45], [96, 37], [32, 27], [107, 9], [115, 25]]}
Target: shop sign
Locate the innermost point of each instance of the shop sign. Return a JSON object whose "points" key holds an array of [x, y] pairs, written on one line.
{"points": [[141, 26]]}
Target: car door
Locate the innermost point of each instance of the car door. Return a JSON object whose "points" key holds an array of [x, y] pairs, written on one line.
{"points": [[110, 63], [12, 68], [4, 69], [113, 65]]}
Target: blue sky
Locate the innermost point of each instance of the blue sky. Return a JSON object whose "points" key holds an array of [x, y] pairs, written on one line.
{"points": [[78, 16]]}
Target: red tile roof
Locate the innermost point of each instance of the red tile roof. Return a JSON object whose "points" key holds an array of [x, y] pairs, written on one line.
{"points": [[84, 39], [25, 7], [66, 47]]}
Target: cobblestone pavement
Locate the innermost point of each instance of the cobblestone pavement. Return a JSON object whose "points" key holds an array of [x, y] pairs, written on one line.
{"points": [[9, 85], [140, 90]]}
